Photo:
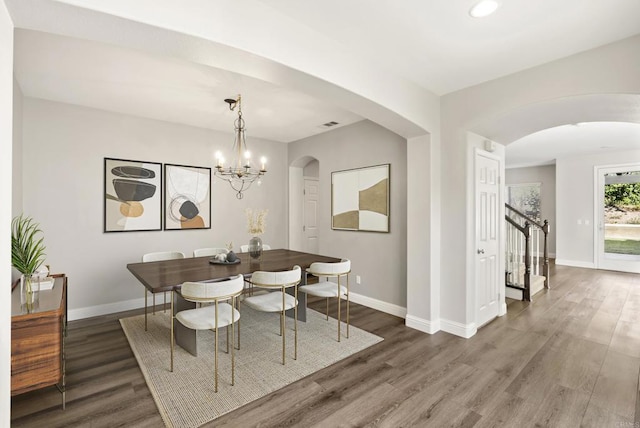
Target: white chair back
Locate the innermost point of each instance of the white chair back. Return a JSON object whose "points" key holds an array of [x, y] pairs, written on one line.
{"points": [[210, 291], [201, 252], [285, 278], [330, 269], [162, 255]]}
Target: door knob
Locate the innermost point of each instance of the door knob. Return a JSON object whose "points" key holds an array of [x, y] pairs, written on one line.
{"points": [[480, 251]]}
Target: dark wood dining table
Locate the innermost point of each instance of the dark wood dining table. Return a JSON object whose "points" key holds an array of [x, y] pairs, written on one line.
{"points": [[169, 275]]}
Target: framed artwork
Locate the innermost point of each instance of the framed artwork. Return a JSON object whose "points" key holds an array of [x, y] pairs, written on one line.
{"points": [[525, 198], [187, 197], [132, 195], [360, 199]]}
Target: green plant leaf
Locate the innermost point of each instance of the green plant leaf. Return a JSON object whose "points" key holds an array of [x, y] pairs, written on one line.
{"points": [[27, 247]]}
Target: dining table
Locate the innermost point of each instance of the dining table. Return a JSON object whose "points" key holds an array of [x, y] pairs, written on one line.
{"points": [[169, 275]]}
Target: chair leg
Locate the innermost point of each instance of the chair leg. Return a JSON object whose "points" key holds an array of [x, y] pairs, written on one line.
{"points": [[153, 311], [233, 353], [339, 311], [295, 326], [145, 309], [282, 328], [327, 309], [164, 307], [348, 321], [215, 351], [227, 339], [172, 333]]}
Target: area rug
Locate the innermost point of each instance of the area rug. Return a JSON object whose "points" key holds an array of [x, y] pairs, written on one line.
{"points": [[186, 397]]}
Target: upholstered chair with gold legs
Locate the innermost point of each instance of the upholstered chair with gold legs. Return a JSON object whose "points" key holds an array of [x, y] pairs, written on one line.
{"points": [[158, 257], [336, 284], [277, 300], [201, 252], [221, 312]]}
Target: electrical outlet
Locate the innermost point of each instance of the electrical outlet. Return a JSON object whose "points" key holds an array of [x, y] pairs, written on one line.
{"points": [[357, 279]]}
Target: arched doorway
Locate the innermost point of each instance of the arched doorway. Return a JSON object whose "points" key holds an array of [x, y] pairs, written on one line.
{"points": [[304, 185]]}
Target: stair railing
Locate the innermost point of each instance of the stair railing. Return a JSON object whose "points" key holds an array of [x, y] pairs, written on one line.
{"points": [[523, 250]]}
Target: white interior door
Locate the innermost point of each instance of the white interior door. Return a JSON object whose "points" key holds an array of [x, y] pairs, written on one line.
{"points": [[488, 221], [310, 215], [617, 226]]}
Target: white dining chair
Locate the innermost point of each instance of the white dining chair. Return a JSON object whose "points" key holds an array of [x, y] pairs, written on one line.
{"points": [[244, 248], [328, 288], [201, 252], [277, 300], [219, 314], [158, 257]]}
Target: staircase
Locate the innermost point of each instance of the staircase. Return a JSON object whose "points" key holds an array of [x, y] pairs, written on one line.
{"points": [[527, 257]]}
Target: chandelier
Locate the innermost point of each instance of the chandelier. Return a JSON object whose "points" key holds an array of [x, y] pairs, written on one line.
{"points": [[240, 174]]}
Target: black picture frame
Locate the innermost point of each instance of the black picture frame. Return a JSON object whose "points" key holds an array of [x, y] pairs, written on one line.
{"points": [[187, 196], [132, 195]]}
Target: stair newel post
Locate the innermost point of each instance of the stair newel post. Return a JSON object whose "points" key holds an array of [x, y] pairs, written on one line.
{"points": [[545, 266], [526, 293]]}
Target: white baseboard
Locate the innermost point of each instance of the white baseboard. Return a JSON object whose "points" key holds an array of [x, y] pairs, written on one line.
{"points": [[379, 305], [512, 293], [575, 263], [109, 308], [423, 325], [503, 309], [458, 329]]}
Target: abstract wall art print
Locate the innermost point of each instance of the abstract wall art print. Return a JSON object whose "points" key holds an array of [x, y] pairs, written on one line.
{"points": [[360, 199], [132, 195], [187, 197]]}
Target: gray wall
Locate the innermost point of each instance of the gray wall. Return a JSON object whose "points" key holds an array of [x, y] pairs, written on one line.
{"points": [[64, 148], [546, 175], [379, 258]]}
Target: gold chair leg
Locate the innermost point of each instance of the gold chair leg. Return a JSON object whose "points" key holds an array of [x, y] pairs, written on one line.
{"points": [[282, 328], [295, 325], [172, 333], [348, 306], [327, 309], [145, 309], [233, 343], [339, 310], [215, 351]]}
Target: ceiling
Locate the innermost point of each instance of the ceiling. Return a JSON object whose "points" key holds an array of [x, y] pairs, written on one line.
{"points": [[434, 44]]}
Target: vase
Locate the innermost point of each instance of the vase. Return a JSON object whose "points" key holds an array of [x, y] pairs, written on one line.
{"points": [[29, 291], [255, 248]]}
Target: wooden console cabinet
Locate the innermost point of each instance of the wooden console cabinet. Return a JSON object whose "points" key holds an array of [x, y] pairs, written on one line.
{"points": [[37, 340]]}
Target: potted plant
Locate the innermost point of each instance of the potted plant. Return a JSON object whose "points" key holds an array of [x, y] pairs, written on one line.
{"points": [[27, 254]]}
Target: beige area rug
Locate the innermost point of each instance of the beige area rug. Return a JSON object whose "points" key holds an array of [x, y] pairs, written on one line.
{"points": [[186, 397]]}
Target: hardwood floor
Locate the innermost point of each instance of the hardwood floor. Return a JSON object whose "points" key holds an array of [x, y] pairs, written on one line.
{"points": [[569, 359]]}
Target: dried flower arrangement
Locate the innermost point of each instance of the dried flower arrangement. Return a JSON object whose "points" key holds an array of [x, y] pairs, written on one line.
{"points": [[256, 221]]}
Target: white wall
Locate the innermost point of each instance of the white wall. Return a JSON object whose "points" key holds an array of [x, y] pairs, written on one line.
{"points": [[64, 148], [589, 72], [16, 196], [6, 142], [546, 175], [379, 258], [575, 201]]}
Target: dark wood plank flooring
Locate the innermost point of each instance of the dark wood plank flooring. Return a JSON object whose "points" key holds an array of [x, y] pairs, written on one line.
{"points": [[569, 359]]}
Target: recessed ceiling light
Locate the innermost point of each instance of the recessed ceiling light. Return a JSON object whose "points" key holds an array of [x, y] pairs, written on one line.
{"points": [[484, 8]]}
